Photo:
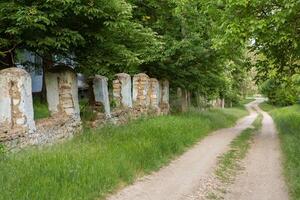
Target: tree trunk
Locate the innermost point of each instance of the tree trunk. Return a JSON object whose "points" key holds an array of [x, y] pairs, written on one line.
{"points": [[189, 103], [7, 61], [223, 103], [46, 65], [198, 99], [184, 100]]}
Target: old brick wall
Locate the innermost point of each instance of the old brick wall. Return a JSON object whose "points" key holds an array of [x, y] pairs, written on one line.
{"points": [[134, 98]]}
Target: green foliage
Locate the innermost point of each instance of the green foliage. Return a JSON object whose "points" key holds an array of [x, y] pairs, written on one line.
{"points": [[281, 93], [166, 39], [270, 31], [95, 163], [271, 26], [288, 124], [266, 106], [100, 33]]}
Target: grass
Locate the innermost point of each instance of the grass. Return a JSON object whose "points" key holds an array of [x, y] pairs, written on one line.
{"points": [[287, 120], [40, 110], [267, 107], [86, 111], [100, 161], [246, 101], [228, 163]]}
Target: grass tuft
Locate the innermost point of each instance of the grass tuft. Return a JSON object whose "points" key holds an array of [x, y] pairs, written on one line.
{"points": [[229, 162]]}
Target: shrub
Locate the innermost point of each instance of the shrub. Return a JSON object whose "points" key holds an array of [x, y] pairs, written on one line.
{"points": [[281, 93]]}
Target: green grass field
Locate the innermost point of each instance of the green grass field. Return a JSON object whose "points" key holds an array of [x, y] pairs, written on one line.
{"points": [[99, 161], [287, 120]]}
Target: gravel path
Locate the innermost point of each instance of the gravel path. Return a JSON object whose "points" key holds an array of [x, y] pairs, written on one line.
{"points": [[262, 178], [190, 171]]}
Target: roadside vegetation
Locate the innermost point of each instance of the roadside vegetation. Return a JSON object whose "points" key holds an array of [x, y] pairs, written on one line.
{"points": [[98, 162], [287, 120], [245, 101]]}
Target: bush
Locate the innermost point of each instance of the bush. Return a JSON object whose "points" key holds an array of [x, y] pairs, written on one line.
{"points": [[280, 93]]}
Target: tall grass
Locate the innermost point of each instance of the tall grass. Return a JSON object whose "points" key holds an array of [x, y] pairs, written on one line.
{"points": [[99, 161], [40, 110], [287, 120]]}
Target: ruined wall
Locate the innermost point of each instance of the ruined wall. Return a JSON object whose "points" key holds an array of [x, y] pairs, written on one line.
{"points": [[62, 93], [140, 93], [149, 97], [122, 90], [19, 130], [16, 108], [155, 95], [48, 131], [100, 90]]}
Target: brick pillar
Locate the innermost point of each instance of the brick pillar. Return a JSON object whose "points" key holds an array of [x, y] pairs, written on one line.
{"points": [[122, 90], [141, 85], [62, 92], [154, 95]]}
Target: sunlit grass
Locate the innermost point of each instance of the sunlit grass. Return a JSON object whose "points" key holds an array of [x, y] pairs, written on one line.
{"points": [[99, 161]]}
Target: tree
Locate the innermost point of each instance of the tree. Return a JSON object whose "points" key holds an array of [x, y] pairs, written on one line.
{"points": [[67, 27], [271, 28]]}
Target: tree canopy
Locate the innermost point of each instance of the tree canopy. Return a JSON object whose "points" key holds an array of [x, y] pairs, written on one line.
{"points": [[204, 46]]}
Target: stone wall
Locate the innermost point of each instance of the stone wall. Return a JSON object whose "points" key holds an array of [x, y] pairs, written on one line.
{"points": [[140, 93], [155, 95], [16, 110], [165, 97], [100, 90], [62, 92], [48, 131], [122, 90], [18, 129]]}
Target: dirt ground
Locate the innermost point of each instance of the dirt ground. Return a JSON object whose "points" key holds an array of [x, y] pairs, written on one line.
{"points": [[262, 177]]}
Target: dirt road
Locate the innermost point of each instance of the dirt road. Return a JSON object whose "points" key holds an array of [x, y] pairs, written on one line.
{"points": [[187, 173], [262, 178]]}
